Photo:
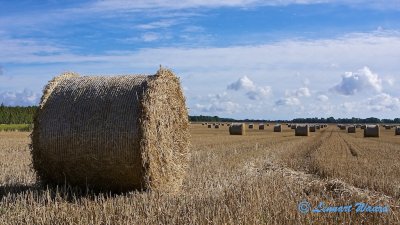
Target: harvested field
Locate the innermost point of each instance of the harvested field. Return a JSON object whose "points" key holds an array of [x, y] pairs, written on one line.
{"points": [[258, 178]]}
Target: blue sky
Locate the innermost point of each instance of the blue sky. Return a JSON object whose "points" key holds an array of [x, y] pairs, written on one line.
{"points": [[277, 59]]}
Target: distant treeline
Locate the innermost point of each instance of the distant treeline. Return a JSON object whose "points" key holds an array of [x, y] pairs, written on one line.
{"points": [[16, 115], [345, 120], [353, 120], [24, 115]]}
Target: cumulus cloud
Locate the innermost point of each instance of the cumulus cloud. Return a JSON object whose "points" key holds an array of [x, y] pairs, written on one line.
{"points": [[355, 82], [24, 98], [383, 102], [218, 107], [288, 101], [322, 98], [253, 92], [301, 92]]}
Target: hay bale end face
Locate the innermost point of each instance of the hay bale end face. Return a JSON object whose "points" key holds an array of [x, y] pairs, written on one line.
{"points": [[312, 128], [302, 130], [351, 129], [371, 131], [112, 133], [278, 128], [397, 130], [237, 129]]}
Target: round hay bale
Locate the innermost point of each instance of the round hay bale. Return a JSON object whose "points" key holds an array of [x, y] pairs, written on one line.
{"points": [[251, 126], [216, 126], [312, 128], [278, 128], [261, 126], [397, 130], [351, 129], [237, 129], [116, 133], [293, 126], [209, 126], [302, 130], [371, 131]]}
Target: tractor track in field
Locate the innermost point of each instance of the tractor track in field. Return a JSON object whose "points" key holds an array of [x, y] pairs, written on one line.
{"points": [[353, 148]]}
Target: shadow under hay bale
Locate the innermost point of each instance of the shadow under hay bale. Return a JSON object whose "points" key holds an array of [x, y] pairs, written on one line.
{"points": [[237, 129], [302, 130], [371, 131], [107, 133]]}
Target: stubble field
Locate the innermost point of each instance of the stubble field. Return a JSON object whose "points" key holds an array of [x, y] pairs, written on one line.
{"points": [[258, 178]]}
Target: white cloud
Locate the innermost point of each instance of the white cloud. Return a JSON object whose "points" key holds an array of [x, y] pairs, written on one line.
{"points": [[322, 98], [301, 92], [157, 24], [253, 92], [355, 82], [228, 107], [149, 37], [244, 83], [24, 98], [289, 101], [383, 102]]}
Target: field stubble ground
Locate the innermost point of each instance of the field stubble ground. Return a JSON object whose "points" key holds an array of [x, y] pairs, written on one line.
{"points": [[255, 179]]}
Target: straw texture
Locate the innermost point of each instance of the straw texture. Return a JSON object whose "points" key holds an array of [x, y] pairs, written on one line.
{"points": [[302, 130], [112, 133], [371, 131], [237, 129]]}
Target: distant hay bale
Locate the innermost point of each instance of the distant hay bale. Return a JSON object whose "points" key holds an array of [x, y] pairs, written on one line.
{"points": [[343, 127], [372, 131], [302, 130], [317, 127], [388, 127], [267, 124], [261, 126], [237, 129], [251, 126], [397, 130], [289, 125], [209, 126], [293, 126], [216, 126], [108, 133], [363, 127], [313, 128], [278, 128], [351, 129]]}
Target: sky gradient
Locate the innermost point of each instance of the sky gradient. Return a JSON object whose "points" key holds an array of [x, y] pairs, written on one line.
{"points": [[278, 59]]}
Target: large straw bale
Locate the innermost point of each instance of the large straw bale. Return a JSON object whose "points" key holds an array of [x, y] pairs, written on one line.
{"points": [[313, 128], [237, 129], [351, 129], [278, 128], [397, 130], [371, 131], [112, 133], [302, 130]]}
